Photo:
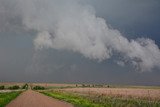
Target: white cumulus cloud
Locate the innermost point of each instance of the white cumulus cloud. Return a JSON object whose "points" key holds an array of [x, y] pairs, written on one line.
{"points": [[70, 25]]}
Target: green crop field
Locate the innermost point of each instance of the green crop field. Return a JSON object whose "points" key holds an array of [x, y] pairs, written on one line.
{"points": [[6, 97]]}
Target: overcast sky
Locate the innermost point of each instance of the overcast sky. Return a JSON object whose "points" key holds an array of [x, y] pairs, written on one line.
{"points": [[80, 41]]}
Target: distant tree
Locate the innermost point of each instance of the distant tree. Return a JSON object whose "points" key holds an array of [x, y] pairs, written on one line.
{"points": [[83, 85], [2, 87], [38, 88], [15, 87], [25, 86]]}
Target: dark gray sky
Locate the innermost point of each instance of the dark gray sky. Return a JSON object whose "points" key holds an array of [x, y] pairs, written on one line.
{"points": [[71, 43]]}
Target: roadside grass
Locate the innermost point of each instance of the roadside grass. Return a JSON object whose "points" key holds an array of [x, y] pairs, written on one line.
{"points": [[99, 101], [76, 100], [6, 97]]}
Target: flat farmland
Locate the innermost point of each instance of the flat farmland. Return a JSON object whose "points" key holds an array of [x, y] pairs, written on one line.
{"points": [[80, 95], [52, 85], [150, 94], [7, 84]]}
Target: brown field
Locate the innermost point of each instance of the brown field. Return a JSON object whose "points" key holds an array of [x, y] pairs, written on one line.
{"points": [[151, 94], [7, 84], [52, 85]]}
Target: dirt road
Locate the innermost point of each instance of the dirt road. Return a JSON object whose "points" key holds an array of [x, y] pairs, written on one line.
{"points": [[34, 99]]}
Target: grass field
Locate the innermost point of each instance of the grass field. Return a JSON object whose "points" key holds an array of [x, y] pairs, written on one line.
{"points": [[100, 101], [85, 95], [6, 97], [140, 93]]}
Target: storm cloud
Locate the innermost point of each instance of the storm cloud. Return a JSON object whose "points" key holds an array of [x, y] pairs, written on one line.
{"points": [[73, 26]]}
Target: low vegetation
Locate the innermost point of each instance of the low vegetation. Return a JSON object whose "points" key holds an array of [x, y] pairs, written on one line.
{"points": [[99, 101], [15, 87], [38, 88], [2, 87], [5, 98]]}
